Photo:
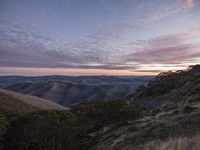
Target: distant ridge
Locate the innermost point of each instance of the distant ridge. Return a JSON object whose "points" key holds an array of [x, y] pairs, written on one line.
{"points": [[10, 80], [66, 93]]}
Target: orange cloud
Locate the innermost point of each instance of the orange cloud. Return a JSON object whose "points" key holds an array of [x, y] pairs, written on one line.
{"points": [[190, 3]]}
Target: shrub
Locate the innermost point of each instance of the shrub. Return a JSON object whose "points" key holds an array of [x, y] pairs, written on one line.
{"points": [[100, 113], [3, 127], [41, 130]]}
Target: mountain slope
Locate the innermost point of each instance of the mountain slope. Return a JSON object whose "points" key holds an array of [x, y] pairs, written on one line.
{"points": [[170, 90], [171, 111], [67, 93], [12, 102], [14, 106], [74, 129]]}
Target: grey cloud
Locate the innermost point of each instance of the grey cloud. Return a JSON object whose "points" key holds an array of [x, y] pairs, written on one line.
{"points": [[27, 47], [169, 49]]}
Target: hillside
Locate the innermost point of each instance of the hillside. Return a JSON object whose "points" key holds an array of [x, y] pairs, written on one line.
{"points": [[66, 93], [170, 90], [12, 103], [13, 106], [24, 126], [171, 115]]}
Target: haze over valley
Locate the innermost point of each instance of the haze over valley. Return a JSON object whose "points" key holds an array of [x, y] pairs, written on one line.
{"points": [[69, 90]]}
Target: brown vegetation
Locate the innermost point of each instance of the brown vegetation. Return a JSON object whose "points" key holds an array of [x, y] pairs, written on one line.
{"points": [[181, 143]]}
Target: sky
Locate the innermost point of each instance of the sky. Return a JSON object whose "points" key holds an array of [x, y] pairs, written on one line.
{"points": [[98, 37]]}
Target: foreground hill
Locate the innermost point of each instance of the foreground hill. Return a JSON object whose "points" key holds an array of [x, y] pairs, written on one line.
{"points": [[12, 103], [66, 93], [171, 115], [24, 126], [14, 106]]}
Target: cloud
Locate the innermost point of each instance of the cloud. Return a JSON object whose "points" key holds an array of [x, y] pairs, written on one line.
{"points": [[27, 47], [165, 55], [169, 49], [155, 14], [23, 46], [190, 3]]}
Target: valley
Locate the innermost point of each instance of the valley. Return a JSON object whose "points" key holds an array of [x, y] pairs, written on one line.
{"points": [[66, 90]]}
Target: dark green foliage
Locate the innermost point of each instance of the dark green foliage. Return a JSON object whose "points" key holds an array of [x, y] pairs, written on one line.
{"points": [[66, 130], [168, 90], [168, 81], [93, 116], [100, 113], [4, 124], [41, 130]]}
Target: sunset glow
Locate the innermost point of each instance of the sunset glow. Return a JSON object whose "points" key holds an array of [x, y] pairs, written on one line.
{"points": [[68, 72]]}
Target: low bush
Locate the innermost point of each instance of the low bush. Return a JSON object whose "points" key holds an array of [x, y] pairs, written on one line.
{"points": [[102, 113], [41, 130]]}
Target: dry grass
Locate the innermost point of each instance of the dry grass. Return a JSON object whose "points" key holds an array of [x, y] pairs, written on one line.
{"points": [[31, 101], [182, 143]]}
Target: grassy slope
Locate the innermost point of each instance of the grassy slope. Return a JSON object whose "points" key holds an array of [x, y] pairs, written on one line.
{"points": [[182, 143], [12, 102], [23, 126], [172, 110], [13, 106], [169, 90]]}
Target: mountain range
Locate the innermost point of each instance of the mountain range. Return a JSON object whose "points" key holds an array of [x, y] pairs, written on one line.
{"points": [[67, 90], [161, 114]]}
